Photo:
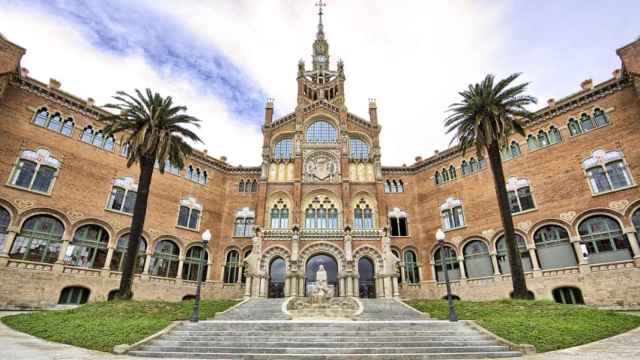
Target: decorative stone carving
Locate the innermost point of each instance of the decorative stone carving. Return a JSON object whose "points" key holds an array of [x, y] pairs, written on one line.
{"points": [[125, 182], [321, 167], [74, 215], [23, 204], [373, 254], [390, 261], [397, 213], [245, 212], [40, 156], [488, 234], [335, 308], [600, 157], [456, 239], [619, 205], [514, 183], [450, 203], [525, 225], [269, 254], [568, 216], [191, 202], [253, 260]]}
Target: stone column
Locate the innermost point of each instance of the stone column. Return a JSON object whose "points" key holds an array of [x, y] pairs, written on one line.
{"points": [[147, 264], [388, 286], [396, 288], [301, 286], [402, 274], [494, 262], [534, 262], [248, 286], [209, 272], [6, 247], [293, 285], [264, 284], [349, 286], [342, 286], [463, 274], [575, 241], [287, 285], [420, 273], [180, 266], [107, 261], [633, 242], [58, 266]]}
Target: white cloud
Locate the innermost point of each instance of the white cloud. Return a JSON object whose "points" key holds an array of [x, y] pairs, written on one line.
{"points": [[413, 56]]}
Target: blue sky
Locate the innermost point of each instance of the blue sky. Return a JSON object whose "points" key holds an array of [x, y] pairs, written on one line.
{"points": [[223, 58]]}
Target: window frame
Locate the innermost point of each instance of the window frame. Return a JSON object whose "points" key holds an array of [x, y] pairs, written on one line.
{"points": [[283, 149], [50, 239], [119, 252], [81, 242], [39, 164], [359, 149], [191, 262], [192, 206], [124, 200], [320, 135], [231, 273], [173, 261]]}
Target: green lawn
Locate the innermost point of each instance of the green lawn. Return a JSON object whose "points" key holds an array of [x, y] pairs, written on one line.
{"points": [[102, 325], [547, 325]]}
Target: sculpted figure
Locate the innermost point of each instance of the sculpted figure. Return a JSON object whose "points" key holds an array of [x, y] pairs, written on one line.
{"points": [[253, 260], [390, 260]]}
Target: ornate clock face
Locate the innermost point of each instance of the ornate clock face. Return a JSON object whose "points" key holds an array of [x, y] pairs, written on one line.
{"points": [[322, 58]]}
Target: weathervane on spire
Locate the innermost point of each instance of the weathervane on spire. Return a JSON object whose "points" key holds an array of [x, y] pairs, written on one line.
{"points": [[320, 4]]}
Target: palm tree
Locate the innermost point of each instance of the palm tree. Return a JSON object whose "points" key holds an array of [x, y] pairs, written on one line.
{"points": [[153, 128], [485, 118]]}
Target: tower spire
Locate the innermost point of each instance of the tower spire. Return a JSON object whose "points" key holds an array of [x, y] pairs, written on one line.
{"points": [[320, 5]]}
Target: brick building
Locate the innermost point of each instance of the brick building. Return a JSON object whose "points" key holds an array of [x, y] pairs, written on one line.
{"points": [[320, 197]]}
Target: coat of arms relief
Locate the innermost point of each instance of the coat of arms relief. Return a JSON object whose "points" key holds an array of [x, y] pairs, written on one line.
{"points": [[321, 167]]}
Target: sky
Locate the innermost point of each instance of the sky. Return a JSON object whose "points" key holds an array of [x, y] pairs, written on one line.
{"points": [[223, 58]]}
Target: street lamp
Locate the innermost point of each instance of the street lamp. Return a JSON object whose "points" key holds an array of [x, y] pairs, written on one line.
{"points": [[206, 237], [452, 309]]}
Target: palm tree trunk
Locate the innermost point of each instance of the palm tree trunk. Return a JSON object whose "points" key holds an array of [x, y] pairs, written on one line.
{"points": [[137, 224], [515, 263]]}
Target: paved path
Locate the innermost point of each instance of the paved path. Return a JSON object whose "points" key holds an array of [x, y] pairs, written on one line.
{"points": [[18, 346]]}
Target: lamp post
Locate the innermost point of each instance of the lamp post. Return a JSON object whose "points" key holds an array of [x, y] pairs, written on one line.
{"points": [[452, 309], [195, 316]]}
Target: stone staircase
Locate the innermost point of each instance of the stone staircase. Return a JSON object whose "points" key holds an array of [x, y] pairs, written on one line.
{"points": [[255, 330]]}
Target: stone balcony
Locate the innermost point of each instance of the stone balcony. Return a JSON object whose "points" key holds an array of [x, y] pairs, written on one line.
{"points": [[322, 235]]}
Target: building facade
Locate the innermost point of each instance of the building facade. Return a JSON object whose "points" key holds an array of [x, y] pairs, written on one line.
{"points": [[320, 197]]}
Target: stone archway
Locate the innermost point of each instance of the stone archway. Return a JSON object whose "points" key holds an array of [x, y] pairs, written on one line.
{"points": [[331, 267], [329, 250], [369, 264]]}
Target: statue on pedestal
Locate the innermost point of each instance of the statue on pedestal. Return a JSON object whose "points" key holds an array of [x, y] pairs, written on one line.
{"points": [[390, 261]]}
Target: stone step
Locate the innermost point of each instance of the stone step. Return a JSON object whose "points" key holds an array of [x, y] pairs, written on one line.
{"points": [[322, 343], [255, 356], [180, 340], [359, 325], [324, 350], [321, 333]]}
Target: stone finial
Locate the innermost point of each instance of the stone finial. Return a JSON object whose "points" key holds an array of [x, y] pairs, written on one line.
{"points": [[24, 72], [436, 152], [269, 104], [54, 84], [587, 84], [205, 151], [372, 103], [617, 73], [223, 158], [90, 101], [551, 102], [418, 158]]}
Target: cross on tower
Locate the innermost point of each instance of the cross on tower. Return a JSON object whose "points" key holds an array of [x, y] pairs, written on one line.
{"points": [[320, 5]]}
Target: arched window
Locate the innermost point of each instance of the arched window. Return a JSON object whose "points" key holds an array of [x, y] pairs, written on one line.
{"points": [[515, 149], [452, 214], [466, 169], [189, 213], [635, 218], [503, 258], [366, 278], [164, 261], [586, 123], [98, 139], [245, 218], [554, 248], [398, 222], [87, 135], [532, 142], [477, 260], [123, 195], [67, 127], [474, 165], [41, 117], [109, 142], [254, 186], [452, 172], [117, 259], [554, 135], [39, 240], [189, 175], [5, 220], [243, 276], [196, 255], [445, 175], [283, 150], [88, 247], [231, 267], [387, 187], [124, 150], [606, 171], [321, 214], [321, 132], [574, 127], [604, 240], [411, 273], [359, 149], [568, 295], [74, 295], [241, 186], [280, 215], [400, 186], [438, 178], [55, 123], [543, 139], [450, 263], [600, 118], [362, 216], [519, 193], [35, 171]]}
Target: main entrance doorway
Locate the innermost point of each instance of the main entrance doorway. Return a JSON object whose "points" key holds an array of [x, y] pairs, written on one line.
{"points": [[366, 281], [277, 271], [331, 267]]}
